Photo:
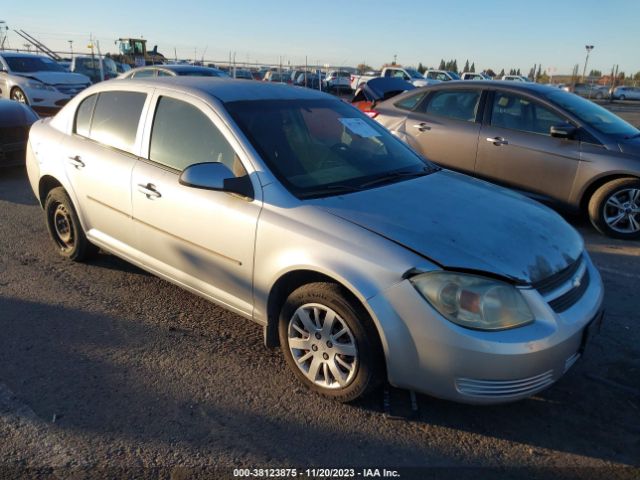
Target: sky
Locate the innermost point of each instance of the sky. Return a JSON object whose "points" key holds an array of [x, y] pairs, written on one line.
{"points": [[493, 34]]}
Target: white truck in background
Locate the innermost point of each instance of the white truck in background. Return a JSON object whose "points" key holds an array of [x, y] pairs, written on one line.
{"points": [[410, 75]]}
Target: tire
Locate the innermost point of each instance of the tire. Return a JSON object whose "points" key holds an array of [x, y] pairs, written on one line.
{"points": [[621, 97], [64, 227], [18, 95], [598, 96], [346, 376], [614, 209]]}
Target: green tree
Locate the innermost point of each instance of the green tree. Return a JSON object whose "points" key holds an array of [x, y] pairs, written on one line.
{"points": [[466, 66], [490, 72], [595, 73], [473, 67], [501, 74], [454, 66], [442, 65], [421, 68], [539, 73]]}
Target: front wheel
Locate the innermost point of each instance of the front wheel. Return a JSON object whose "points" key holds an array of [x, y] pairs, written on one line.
{"points": [[621, 97], [19, 96], [64, 227], [614, 208], [329, 342]]}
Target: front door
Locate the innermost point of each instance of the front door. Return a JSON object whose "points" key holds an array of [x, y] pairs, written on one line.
{"points": [[200, 238], [517, 150]]}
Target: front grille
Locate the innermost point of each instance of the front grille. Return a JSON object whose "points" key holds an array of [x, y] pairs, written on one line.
{"points": [[568, 299], [70, 89], [504, 388], [556, 280], [14, 135]]}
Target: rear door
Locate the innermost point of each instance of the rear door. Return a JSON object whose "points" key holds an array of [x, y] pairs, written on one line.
{"points": [[517, 150], [201, 238], [445, 127], [99, 159]]}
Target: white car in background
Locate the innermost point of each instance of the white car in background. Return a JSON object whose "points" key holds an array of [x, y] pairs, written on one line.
{"points": [[475, 76], [38, 81], [515, 78], [337, 80]]}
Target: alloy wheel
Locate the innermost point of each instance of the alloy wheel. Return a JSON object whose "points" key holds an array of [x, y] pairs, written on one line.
{"points": [[18, 96], [323, 346], [622, 211]]}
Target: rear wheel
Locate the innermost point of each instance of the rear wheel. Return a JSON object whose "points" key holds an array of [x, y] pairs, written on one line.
{"points": [[614, 208], [64, 227], [621, 97], [19, 96], [329, 342]]}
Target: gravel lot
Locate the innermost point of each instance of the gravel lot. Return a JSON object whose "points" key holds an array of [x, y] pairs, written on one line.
{"points": [[105, 367]]}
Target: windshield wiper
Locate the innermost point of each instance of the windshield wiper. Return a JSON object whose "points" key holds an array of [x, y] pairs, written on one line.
{"points": [[331, 190], [390, 177]]}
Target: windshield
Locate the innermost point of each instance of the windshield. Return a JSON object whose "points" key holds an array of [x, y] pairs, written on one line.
{"points": [[32, 64], [454, 75], [84, 65], [205, 72], [324, 147], [413, 73], [592, 114]]}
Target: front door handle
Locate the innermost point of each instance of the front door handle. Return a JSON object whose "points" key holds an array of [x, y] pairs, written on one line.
{"points": [[149, 190], [76, 161], [423, 127], [497, 141]]}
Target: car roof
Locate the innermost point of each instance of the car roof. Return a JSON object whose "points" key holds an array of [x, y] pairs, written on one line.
{"points": [[229, 89], [524, 86]]}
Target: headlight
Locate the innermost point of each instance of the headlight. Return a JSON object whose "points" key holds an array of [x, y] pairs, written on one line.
{"points": [[472, 301], [40, 86]]}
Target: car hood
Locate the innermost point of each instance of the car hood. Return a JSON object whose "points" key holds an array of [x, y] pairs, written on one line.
{"points": [[57, 78], [465, 224]]}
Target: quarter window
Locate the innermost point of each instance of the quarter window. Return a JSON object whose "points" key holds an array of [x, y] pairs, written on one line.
{"points": [[456, 104], [116, 117], [149, 72], [518, 113], [83, 116], [183, 135], [410, 102]]}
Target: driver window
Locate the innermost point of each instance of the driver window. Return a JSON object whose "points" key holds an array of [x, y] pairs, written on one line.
{"points": [[519, 113], [183, 135]]}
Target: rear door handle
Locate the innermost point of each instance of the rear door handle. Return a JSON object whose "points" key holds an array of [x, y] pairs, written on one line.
{"points": [[149, 190], [76, 161], [423, 127], [497, 141]]}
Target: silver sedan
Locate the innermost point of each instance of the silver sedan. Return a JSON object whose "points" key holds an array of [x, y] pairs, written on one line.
{"points": [[364, 262]]}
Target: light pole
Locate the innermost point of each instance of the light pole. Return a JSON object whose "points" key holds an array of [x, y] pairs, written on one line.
{"points": [[586, 60], [71, 47]]}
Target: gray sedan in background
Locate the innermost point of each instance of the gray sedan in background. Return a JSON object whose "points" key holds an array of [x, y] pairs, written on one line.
{"points": [[360, 259], [552, 145]]}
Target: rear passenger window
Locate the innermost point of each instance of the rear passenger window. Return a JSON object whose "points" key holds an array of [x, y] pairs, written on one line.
{"points": [[456, 104], [183, 135], [83, 116], [116, 117]]}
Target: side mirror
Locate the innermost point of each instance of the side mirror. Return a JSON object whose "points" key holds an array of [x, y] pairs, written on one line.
{"points": [[216, 176], [564, 130]]}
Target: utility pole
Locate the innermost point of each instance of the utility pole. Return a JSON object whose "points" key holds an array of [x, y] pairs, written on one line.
{"points": [[71, 47], [395, 58], [3, 35], [588, 48]]}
